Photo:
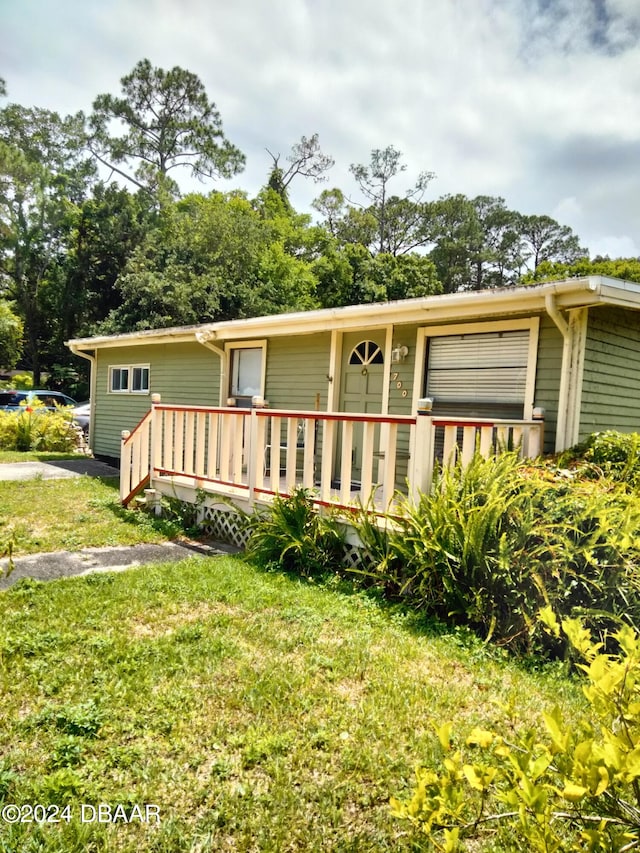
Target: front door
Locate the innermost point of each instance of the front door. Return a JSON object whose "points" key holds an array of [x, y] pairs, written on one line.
{"points": [[362, 381]]}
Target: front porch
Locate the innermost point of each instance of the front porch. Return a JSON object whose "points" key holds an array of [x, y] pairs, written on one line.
{"points": [[249, 456]]}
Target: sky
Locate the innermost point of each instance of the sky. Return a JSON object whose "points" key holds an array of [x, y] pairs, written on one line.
{"points": [[535, 101]]}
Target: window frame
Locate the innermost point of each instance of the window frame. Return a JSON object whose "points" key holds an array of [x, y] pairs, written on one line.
{"points": [[230, 348], [130, 369], [532, 324]]}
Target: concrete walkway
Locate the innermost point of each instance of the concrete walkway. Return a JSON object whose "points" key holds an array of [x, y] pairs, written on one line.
{"points": [[64, 564], [57, 469]]}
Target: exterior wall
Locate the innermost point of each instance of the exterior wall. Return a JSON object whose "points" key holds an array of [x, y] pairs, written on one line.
{"points": [[296, 378], [297, 369], [548, 369], [611, 378], [186, 373]]}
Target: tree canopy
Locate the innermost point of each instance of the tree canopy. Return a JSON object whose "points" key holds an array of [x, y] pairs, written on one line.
{"points": [[166, 122], [79, 255]]}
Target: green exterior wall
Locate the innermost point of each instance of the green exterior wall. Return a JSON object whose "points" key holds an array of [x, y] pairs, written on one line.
{"points": [[611, 378], [180, 372], [297, 369], [296, 378], [548, 370]]}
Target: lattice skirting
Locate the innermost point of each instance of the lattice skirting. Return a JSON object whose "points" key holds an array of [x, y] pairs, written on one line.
{"points": [[226, 524]]}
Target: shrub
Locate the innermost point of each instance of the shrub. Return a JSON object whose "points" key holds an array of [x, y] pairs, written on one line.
{"points": [[567, 787], [23, 381], [294, 536], [37, 428], [613, 454], [496, 540], [447, 554]]}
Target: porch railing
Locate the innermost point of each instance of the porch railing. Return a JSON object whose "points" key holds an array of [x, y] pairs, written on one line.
{"points": [[254, 454]]}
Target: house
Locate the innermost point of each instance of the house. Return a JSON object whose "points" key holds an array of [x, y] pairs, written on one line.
{"points": [[347, 399]]}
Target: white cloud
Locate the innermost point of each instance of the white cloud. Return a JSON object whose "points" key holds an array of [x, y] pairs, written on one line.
{"points": [[534, 100]]}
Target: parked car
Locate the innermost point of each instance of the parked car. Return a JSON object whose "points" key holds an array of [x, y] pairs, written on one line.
{"points": [[82, 415], [14, 401]]}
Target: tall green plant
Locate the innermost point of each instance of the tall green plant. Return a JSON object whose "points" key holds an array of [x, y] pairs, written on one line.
{"points": [[449, 552], [293, 535], [498, 539], [563, 788]]}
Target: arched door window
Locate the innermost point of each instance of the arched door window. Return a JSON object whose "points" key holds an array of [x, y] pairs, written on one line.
{"points": [[366, 353]]}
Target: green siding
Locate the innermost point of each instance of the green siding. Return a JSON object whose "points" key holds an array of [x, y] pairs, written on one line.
{"points": [[611, 381], [548, 369], [297, 370], [402, 374], [181, 373]]}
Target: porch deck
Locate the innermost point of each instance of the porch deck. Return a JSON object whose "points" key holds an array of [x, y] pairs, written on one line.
{"points": [[248, 456]]}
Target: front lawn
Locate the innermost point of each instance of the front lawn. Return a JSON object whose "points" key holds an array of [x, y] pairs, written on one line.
{"points": [[70, 514], [258, 712], [33, 456]]}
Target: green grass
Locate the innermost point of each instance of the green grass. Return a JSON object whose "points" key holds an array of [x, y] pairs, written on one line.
{"points": [[75, 513], [258, 711], [34, 456]]}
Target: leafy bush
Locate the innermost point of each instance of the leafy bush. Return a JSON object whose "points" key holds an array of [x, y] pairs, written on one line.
{"points": [[37, 428], [611, 454], [448, 552], [293, 535], [496, 540], [570, 787], [23, 381]]}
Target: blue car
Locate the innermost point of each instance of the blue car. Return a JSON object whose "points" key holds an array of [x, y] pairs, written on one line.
{"points": [[15, 401]]}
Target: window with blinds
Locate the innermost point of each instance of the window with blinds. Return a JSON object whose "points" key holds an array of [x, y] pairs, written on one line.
{"points": [[481, 374]]}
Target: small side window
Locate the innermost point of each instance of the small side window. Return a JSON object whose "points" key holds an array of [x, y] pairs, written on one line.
{"points": [[129, 379], [247, 367], [140, 383], [119, 378]]}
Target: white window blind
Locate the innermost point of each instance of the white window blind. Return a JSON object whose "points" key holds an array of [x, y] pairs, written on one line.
{"points": [[488, 367], [246, 372]]}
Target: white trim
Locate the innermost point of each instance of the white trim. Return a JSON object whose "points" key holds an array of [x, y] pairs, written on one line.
{"points": [[578, 319], [532, 359], [129, 368], [386, 376], [335, 372], [532, 324], [478, 305], [237, 345]]}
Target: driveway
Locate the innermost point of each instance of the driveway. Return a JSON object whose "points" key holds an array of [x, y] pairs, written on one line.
{"points": [[56, 470], [63, 564]]}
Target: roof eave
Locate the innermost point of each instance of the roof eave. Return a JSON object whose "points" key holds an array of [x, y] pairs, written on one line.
{"points": [[583, 292]]}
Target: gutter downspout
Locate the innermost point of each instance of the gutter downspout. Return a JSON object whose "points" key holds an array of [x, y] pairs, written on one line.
{"points": [[565, 370], [91, 358], [204, 338]]}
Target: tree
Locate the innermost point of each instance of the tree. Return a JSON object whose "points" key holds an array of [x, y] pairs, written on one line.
{"points": [[350, 275], [306, 159], [43, 175], [168, 123], [399, 221], [11, 330], [3, 88], [101, 235], [208, 259], [454, 230], [498, 257], [627, 269], [547, 240]]}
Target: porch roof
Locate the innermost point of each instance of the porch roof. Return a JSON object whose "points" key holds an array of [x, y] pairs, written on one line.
{"points": [[569, 293]]}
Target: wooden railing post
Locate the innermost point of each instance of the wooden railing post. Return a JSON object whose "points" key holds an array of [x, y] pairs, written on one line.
{"points": [[125, 464], [252, 455], [155, 439], [422, 457]]}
